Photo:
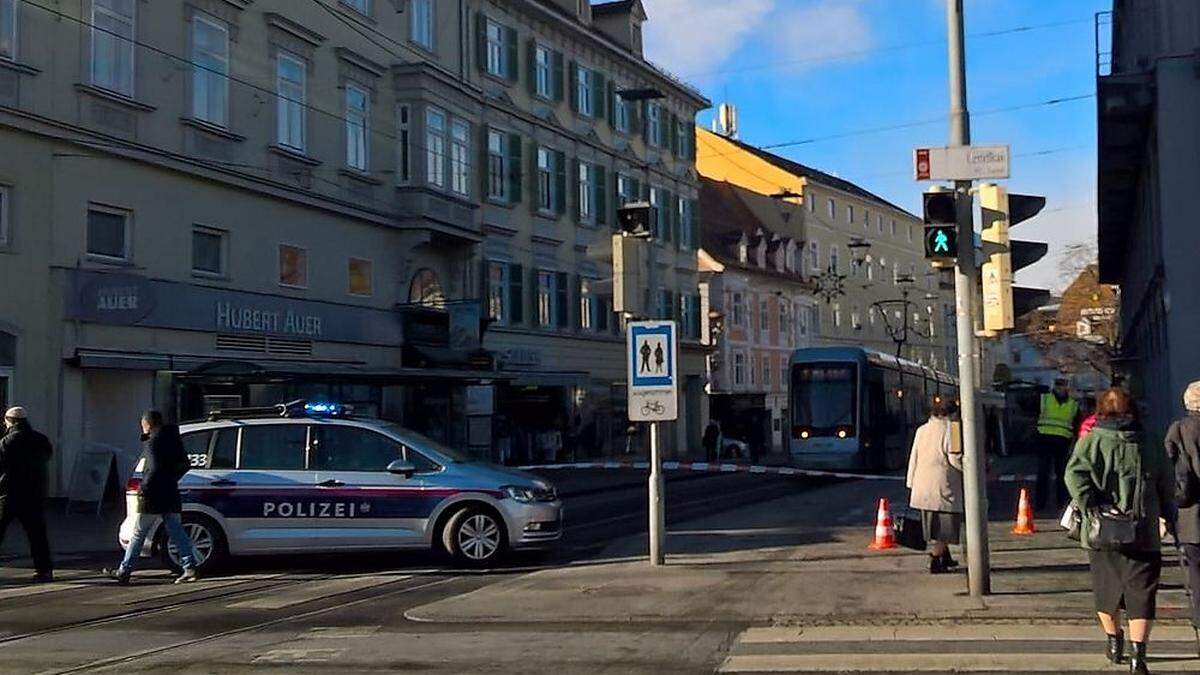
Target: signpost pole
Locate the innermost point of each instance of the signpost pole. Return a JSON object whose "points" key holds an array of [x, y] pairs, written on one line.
{"points": [[657, 514]]}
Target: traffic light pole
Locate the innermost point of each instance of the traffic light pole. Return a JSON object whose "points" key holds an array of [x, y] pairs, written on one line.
{"points": [[974, 487]]}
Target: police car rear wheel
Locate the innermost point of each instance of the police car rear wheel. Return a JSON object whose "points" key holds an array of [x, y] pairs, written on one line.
{"points": [[208, 542], [474, 537]]}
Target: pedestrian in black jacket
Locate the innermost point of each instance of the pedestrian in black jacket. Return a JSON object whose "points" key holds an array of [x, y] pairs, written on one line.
{"points": [[1183, 447], [24, 455], [165, 462]]}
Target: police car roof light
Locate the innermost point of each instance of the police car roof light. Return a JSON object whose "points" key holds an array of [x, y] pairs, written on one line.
{"points": [[297, 408]]}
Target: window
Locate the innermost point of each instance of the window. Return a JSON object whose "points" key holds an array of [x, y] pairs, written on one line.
{"points": [[812, 203], [739, 368], [832, 209], [879, 223], [764, 317], [338, 448], [855, 318], [224, 450], [545, 179], [835, 262], [691, 316], [359, 277], [210, 58], [112, 45], [587, 306], [358, 105], [497, 53], [4, 199], [422, 22], [208, 251], [543, 72], [814, 257], [403, 145], [753, 369], [360, 6], [685, 138], [108, 233], [460, 149], [585, 191], [686, 226], [435, 147], [766, 371], [291, 86], [8, 29], [866, 219], [583, 92], [837, 315], [551, 298], [910, 233], [273, 446], [195, 448], [293, 266], [893, 227], [849, 213], [658, 199], [498, 166], [497, 288], [739, 309], [626, 191], [654, 125], [784, 336], [621, 116]]}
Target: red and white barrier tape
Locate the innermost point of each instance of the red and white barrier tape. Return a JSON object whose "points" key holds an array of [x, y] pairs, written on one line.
{"points": [[724, 467]]}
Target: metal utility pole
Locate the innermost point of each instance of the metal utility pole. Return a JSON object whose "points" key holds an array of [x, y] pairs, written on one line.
{"points": [[974, 487], [657, 513]]}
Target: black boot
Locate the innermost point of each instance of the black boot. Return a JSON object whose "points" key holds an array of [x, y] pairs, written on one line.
{"points": [[1137, 660], [1116, 648], [948, 562], [935, 565]]}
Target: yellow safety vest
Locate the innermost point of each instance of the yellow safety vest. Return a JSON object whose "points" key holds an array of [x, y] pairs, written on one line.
{"points": [[1057, 419]]}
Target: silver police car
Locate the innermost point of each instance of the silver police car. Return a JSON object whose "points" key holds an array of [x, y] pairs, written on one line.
{"points": [[304, 477]]}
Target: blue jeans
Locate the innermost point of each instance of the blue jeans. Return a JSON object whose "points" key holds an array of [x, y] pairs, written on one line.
{"points": [[175, 532]]}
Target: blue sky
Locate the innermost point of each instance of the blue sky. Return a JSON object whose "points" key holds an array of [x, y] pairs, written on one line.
{"points": [[785, 64]]}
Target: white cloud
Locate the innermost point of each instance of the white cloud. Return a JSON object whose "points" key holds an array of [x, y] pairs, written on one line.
{"points": [[807, 36], [690, 37]]}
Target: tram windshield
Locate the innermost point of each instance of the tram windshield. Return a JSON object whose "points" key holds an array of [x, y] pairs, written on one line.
{"points": [[824, 397]]}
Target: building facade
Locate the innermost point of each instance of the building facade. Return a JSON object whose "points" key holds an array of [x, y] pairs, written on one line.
{"points": [[757, 308], [231, 202], [857, 247], [1149, 159]]}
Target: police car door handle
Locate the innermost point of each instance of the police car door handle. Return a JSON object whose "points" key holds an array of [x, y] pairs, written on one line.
{"points": [[331, 483]]}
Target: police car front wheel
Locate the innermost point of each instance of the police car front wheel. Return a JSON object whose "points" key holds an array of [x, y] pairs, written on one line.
{"points": [[474, 536]]}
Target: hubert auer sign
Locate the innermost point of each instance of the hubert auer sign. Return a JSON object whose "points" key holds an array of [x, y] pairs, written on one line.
{"points": [[130, 300]]}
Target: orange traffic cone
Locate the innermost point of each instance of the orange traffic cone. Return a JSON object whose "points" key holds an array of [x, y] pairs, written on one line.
{"points": [[885, 536], [1024, 515]]}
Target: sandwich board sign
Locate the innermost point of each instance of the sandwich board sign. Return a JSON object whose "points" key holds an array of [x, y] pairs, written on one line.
{"points": [[653, 367]]}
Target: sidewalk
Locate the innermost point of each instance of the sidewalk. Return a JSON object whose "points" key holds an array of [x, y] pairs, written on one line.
{"points": [[71, 534], [790, 562]]}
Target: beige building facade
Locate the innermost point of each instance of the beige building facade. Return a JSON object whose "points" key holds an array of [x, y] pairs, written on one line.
{"points": [[207, 203]]}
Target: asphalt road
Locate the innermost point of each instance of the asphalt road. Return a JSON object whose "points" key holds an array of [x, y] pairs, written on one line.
{"points": [[311, 613]]}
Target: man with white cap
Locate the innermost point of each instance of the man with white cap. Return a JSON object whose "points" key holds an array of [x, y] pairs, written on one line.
{"points": [[1183, 447], [24, 456]]}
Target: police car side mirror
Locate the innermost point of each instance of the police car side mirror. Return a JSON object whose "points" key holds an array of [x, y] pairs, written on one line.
{"points": [[400, 467]]}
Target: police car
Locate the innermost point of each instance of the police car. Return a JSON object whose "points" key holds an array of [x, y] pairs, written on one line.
{"points": [[311, 477]]}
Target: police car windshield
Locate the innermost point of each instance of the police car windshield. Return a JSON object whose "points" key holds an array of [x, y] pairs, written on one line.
{"points": [[423, 442]]}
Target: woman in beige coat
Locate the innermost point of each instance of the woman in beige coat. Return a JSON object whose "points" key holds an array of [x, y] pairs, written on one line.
{"points": [[936, 480]]}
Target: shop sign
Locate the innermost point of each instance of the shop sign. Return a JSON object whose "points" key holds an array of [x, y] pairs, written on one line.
{"points": [[521, 357], [233, 316], [121, 299]]}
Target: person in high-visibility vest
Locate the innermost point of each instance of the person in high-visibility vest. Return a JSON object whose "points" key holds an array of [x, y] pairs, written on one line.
{"points": [[1058, 422]]}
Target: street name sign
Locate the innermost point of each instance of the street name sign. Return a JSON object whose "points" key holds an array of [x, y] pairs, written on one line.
{"points": [[969, 162], [652, 352]]}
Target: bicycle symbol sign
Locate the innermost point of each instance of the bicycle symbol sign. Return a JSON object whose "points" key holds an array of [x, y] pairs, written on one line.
{"points": [[653, 371]]}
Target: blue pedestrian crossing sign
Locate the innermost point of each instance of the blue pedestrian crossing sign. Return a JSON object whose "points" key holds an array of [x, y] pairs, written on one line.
{"points": [[653, 368]]}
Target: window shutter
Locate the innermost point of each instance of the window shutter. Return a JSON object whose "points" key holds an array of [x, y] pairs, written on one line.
{"points": [[513, 147], [562, 299], [481, 42], [600, 192], [516, 295], [664, 132], [599, 105], [673, 133], [610, 102], [673, 219], [485, 165], [531, 65], [560, 182], [535, 187], [574, 185], [514, 58], [573, 87], [694, 223], [577, 324], [557, 76], [644, 116], [485, 287], [691, 144]]}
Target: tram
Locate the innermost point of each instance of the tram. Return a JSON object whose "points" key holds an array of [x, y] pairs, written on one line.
{"points": [[856, 409]]}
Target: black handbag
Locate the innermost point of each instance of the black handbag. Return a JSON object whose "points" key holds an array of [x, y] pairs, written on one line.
{"points": [[1110, 529], [910, 533]]}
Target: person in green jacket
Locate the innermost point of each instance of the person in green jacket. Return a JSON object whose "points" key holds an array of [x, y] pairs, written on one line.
{"points": [[1113, 467]]}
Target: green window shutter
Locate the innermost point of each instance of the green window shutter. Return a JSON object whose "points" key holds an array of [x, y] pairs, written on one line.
{"points": [[610, 102], [558, 76], [573, 87], [511, 50], [599, 105], [513, 146], [560, 183], [485, 166], [535, 188], [531, 65], [562, 299], [673, 133], [516, 295], [574, 188], [644, 116], [577, 302], [600, 190], [691, 141], [672, 224], [481, 42], [694, 223], [664, 130]]}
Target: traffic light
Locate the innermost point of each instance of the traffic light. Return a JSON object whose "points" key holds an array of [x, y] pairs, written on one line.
{"points": [[941, 225], [1001, 211]]}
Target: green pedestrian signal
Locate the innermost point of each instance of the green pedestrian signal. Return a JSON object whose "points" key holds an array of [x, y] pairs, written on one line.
{"points": [[941, 242]]}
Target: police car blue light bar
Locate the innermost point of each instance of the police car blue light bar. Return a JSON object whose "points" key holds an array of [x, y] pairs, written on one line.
{"points": [[330, 409]]}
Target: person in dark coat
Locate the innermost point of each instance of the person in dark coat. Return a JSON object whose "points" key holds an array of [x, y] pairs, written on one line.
{"points": [[165, 462], [24, 456], [1183, 447], [712, 436]]}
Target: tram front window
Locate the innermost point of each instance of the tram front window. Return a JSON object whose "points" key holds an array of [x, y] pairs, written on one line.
{"points": [[824, 399]]}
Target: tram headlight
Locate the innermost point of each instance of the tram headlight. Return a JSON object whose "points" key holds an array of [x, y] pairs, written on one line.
{"points": [[841, 433], [801, 433]]}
